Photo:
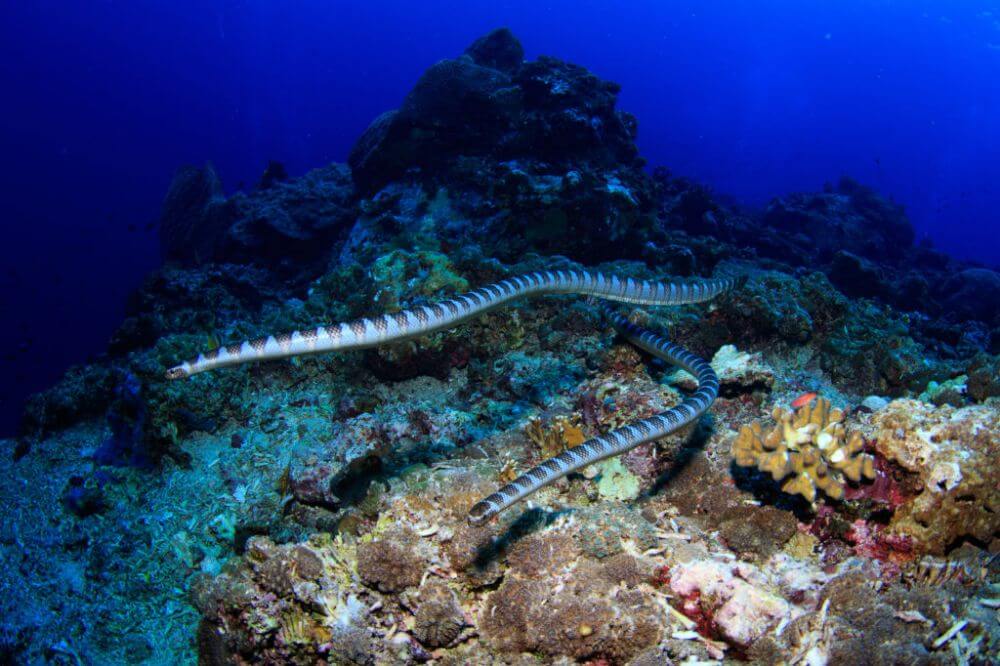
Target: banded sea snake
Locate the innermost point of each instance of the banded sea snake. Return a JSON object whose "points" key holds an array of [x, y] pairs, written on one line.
{"points": [[429, 318]]}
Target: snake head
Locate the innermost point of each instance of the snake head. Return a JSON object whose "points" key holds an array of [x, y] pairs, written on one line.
{"points": [[480, 513], [176, 372]]}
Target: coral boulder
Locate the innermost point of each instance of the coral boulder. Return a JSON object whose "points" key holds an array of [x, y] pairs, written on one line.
{"points": [[953, 453]]}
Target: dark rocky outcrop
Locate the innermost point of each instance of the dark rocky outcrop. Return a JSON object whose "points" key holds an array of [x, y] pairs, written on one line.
{"points": [[195, 215], [862, 241], [974, 293], [850, 217], [499, 50], [487, 103], [531, 155], [274, 173], [291, 223], [282, 222]]}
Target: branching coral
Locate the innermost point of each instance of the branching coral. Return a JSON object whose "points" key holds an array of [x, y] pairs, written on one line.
{"points": [[810, 446]]}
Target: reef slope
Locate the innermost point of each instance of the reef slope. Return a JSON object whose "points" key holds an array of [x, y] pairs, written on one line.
{"points": [[314, 510]]}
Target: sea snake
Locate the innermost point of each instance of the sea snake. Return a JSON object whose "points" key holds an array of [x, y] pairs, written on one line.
{"points": [[617, 441], [425, 319]]}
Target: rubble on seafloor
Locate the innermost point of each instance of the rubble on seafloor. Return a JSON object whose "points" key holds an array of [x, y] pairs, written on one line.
{"points": [[314, 511]]}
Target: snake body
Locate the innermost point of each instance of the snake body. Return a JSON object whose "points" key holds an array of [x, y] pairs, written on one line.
{"points": [[617, 441], [425, 319]]}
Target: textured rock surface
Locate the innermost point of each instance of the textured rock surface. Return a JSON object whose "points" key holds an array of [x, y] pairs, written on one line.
{"points": [[974, 294], [952, 453], [195, 215], [743, 613], [291, 222], [738, 371]]}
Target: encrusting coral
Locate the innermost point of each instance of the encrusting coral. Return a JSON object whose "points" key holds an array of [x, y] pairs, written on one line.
{"points": [[952, 454], [811, 446]]}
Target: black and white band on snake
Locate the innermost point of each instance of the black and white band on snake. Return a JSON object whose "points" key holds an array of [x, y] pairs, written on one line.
{"points": [[425, 319], [429, 318], [617, 441]]}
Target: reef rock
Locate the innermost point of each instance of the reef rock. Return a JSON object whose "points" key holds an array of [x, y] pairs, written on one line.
{"points": [[283, 222], [195, 215], [290, 222], [974, 294], [487, 102], [524, 154], [599, 612], [742, 611], [283, 604], [952, 453], [984, 377], [855, 276], [851, 217], [499, 50], [738, 371]]}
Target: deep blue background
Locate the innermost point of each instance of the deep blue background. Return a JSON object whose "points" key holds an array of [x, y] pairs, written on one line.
{"points": [[103, 100]]}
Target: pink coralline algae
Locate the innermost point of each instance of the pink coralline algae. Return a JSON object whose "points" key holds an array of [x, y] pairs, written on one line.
{"points": [[718, 600]]}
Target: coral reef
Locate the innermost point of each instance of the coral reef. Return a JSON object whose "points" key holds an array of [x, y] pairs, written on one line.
{"points": [[313, 511], [738, 371]]}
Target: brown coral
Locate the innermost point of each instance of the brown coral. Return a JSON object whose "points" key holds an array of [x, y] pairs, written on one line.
{"points": [[439, 618], [388, 566], [809, 445]]}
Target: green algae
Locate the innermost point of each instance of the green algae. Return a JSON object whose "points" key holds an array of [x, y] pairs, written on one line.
{"points": [[949, 392], [616, 481], [402, 274]]}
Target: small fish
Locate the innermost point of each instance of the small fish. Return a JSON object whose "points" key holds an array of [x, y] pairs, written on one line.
{"points": [[803, 400]]}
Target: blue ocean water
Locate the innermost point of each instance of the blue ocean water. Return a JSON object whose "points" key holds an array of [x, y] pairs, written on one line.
{"points": [[103, 100]]}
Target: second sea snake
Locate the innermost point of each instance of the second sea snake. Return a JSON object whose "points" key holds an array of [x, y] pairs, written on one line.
{"points": [[425, 319], [617, 441]]}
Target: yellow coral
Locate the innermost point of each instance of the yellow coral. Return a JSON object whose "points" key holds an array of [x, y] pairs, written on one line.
{"points": [[809, 445], [296, 628]]}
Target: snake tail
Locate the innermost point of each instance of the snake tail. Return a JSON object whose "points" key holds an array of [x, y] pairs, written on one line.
{"points": [[425, 319]]}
